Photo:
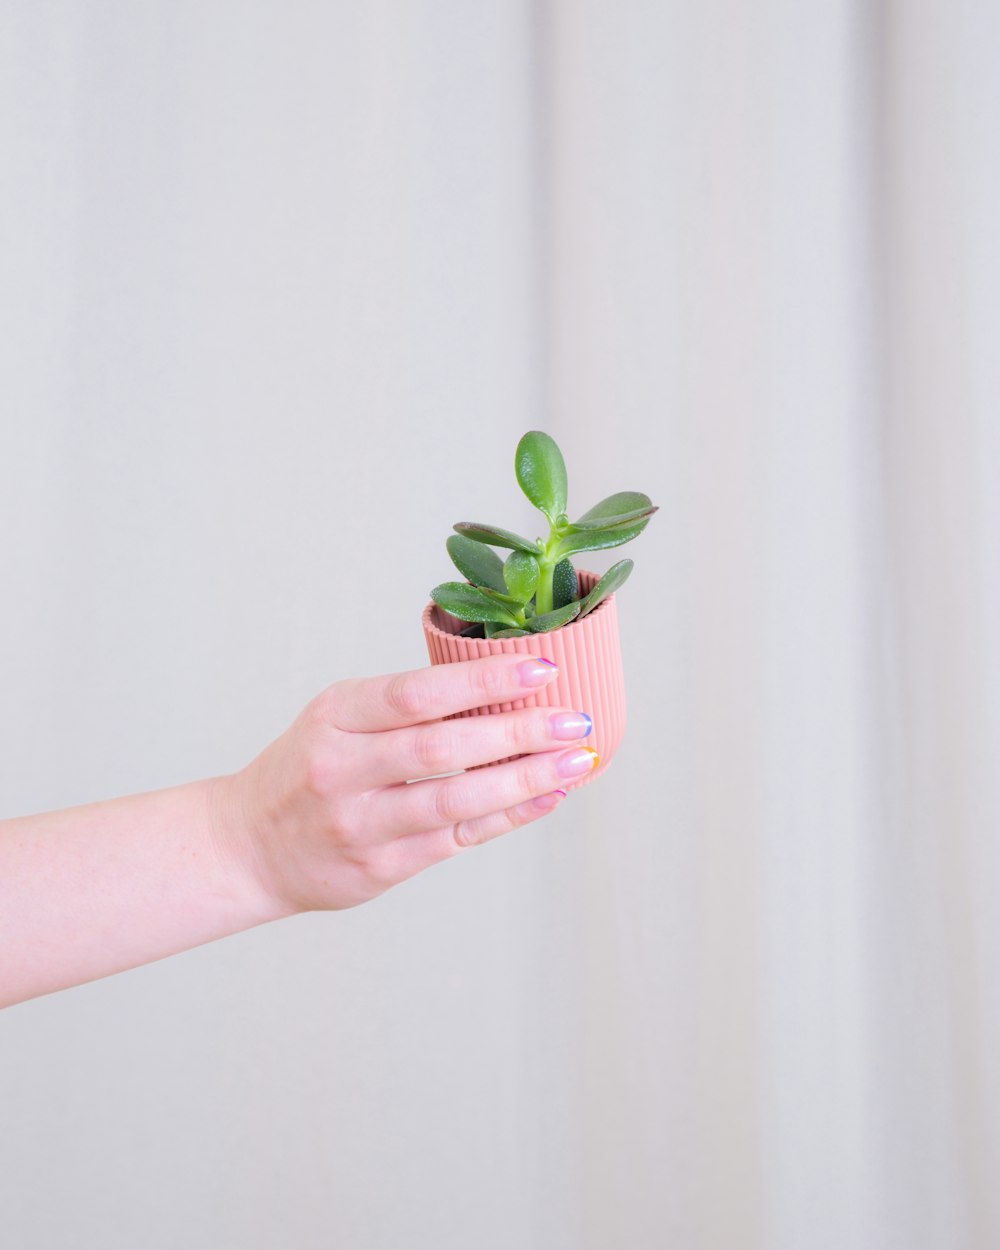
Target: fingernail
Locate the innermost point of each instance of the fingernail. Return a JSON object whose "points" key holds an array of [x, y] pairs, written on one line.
{"points": [[576, 763], [549, 802], [537, 672], [570, 724]]}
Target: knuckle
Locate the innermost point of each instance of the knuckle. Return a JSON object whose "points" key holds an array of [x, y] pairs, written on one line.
{"points": [[364, 863], [465, 834], [513, 818], [404, 696], [448, 804], [381, 871], [522, 733], [432, 749], [475, 832], [321, 773], [321, 712], [532, 776], [346, 824], [492, 681], [507, 821]]}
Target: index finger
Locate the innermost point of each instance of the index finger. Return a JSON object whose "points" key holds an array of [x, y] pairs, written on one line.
{"points": [[395, 700]]}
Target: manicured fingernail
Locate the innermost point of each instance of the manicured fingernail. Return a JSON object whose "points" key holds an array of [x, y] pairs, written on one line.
{"points": [[576, 763], [549, 802], [570, 725], [537, 672]]}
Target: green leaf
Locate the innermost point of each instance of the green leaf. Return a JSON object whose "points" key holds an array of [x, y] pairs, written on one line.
{"points": [[616, 505], [598, 540], [612, 522], [616, 576], [476, 562], [565, 584], [496, 537], [541, 472], [512, 600], [470, 604], [509, 633], [552, 620], [521, 573]]}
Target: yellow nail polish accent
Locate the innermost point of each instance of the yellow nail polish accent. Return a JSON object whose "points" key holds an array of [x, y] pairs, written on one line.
{"points": [[597, 758]]}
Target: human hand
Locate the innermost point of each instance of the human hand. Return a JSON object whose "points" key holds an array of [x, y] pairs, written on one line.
{"points": [[335, 811]]}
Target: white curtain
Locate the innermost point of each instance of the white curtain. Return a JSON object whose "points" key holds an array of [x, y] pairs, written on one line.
{"points": [[281, 285]]}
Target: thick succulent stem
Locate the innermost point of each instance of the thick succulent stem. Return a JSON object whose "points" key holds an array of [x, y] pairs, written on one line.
{"points": [[543, 592], [547, 567]]}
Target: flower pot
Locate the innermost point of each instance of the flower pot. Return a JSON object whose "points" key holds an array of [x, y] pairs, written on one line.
{"points": [[589, 656]]}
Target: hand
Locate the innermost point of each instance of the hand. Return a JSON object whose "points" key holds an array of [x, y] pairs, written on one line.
{"points": [[324, 818]]}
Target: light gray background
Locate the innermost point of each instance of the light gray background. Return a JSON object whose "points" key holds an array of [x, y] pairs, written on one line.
{"points": [[281, 285]]}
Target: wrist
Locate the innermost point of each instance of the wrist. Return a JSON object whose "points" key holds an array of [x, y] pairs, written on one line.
{"points": [[235, 839]]}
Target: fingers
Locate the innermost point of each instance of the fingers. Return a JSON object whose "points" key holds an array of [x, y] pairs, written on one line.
{"points": [[417, 851], [449, 745], [375, 704], [450, 801]]}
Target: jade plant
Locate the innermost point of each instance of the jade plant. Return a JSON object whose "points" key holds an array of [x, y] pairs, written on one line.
{"points": [[535, 588]]}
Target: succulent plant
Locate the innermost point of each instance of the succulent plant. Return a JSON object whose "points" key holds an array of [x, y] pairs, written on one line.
{"points": [[535, 588]]}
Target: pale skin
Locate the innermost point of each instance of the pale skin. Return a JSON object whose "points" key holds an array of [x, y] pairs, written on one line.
{"points": [[322, 819]]}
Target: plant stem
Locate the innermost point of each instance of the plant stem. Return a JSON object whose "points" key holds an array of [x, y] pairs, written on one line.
{"points": [[543, 592], [547, 565]]}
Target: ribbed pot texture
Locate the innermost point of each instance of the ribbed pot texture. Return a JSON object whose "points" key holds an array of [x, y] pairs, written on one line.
{"points": [[590, 678]]}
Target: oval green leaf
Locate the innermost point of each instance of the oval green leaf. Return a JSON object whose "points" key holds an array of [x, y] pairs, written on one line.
{"points": [[616, 576], [509, 633], [521, 573], [599, 540], [476, 562], [616, 505], [565, 584], [612, 522], [552, 620], [541, 472], [496, 537], [471, 604]]}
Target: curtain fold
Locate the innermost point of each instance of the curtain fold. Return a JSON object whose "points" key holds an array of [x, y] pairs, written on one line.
{"points": [[282, 287]]}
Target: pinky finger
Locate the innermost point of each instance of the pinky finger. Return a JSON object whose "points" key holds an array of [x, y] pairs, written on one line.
{"points": [[418, 851]]}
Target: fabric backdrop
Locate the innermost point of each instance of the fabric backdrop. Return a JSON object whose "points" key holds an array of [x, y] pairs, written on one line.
{"points": [[281, 286]]}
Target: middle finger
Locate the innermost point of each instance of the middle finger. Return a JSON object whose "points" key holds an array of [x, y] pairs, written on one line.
{"points": [[447, 746]]}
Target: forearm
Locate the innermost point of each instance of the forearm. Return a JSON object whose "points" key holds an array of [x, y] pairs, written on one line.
{"points": [[98, 889], [324, 818]]}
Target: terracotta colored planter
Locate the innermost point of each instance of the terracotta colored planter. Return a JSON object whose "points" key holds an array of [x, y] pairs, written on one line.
{"points": [[589, 656]]}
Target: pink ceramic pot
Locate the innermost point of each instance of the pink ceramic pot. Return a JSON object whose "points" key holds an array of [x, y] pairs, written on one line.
{"points": [[589, 656]]}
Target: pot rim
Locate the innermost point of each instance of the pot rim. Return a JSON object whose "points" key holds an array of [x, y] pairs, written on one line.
{"points": [[431, 628]]}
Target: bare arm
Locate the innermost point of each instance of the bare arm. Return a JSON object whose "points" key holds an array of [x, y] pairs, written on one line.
{"points": [[323, 818], [97, 889]]}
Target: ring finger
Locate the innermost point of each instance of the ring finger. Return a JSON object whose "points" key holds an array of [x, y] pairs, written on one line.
{"points": [[417, 851], [445, 746], [417, 806]]}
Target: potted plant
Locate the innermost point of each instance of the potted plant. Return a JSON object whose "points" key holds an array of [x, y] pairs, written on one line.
{"points": [[537, 602]]}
